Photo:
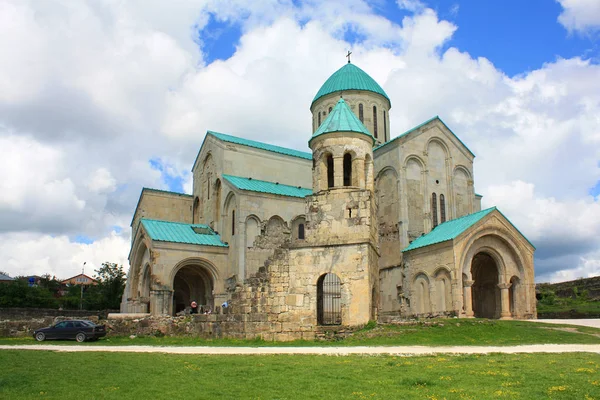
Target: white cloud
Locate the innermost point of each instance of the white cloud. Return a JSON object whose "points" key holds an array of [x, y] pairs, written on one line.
{"points": [[581, 16], [32, 253], [411, 5], [102, 181], [81, 115]]}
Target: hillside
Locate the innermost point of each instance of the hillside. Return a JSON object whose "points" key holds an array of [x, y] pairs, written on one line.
{"points": [[572, 299]]}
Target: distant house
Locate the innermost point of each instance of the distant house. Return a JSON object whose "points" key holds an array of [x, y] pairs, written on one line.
{"points": [[81, 279], [5, 278]]}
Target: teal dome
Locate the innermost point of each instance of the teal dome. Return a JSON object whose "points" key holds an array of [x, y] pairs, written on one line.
{"points": [[349, 77]]}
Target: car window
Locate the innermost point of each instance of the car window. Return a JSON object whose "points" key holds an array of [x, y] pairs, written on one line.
{"points": [[69, 325], [78, 324], [87, 323], [61, 325]]}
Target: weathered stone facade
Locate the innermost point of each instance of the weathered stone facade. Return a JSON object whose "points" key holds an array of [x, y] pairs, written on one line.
{"points": [[284, 254]]}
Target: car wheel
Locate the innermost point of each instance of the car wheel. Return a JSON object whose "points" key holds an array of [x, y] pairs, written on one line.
{"points": [[80, 337], [40, 336]]}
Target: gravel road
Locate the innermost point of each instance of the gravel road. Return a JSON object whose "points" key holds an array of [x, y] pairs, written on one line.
{"points": [[375, 350]]}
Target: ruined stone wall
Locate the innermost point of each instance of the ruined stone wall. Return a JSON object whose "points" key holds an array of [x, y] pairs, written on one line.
{"points": [[391, 290], [388, 218]]}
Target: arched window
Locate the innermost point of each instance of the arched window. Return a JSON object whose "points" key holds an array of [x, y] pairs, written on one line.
{"points": [[301, 231], [232, 222], [330, 110], [347, 169], [434, 209], [385, 138], [329, 295], [329, 171], [360, 113], [375, 121], [208, 185], [195, 216], [442, 208], [319, 118], [217, 196]]}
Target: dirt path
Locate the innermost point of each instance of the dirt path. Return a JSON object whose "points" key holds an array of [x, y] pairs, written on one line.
{"points": [[592, 323], [388, 350]]}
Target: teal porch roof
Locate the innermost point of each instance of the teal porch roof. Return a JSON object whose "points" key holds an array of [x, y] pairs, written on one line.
{"points": [[256, 185], [342, 119], [349, 77], [448, 230], [178, 232], [260, 145]]}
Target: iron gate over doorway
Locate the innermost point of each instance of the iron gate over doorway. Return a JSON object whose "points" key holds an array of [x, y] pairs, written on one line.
{"points": [[329, 295]]}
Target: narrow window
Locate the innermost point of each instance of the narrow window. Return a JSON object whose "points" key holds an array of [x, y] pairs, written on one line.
{"points": [[319, 118], [208, 185], [434, 209], [385, 138], [330, 110], [360, 113], [301, 231], [375, 121], [329, 171], [347, 169], [232, 222], [442, 208]]}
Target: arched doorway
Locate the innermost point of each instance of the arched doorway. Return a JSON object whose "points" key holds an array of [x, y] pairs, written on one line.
{"points": [[486, 294], [329, 296], [192, 283]]}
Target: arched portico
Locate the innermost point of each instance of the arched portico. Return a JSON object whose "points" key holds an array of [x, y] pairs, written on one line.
{"points": [[193, 280], [490, 266]]}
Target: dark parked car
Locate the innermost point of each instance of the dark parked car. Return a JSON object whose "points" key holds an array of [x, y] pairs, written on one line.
{"points": [[80, 330]]}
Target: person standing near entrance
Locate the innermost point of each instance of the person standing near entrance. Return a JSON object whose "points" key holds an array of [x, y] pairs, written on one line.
{"points": [[194, 306]]}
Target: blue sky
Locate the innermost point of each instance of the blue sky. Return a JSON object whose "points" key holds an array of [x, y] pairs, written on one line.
{"points": [[142, 87], [517, 36]]}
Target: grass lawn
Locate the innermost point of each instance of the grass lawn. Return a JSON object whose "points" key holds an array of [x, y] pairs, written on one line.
{"points": [[430, 333], [34, 375]]}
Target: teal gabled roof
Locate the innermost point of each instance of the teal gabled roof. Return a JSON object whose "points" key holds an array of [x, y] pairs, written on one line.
{"points": [[260, 145], [449, 230], [256, 185], [349, 77], [178, 232], [419, 126], [342, 119]]}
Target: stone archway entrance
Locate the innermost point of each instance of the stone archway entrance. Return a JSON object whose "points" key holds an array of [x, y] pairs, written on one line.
{"points": [[485, 290], [192, 283]]}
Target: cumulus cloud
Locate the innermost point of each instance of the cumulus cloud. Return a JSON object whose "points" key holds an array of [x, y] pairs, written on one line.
{"points": [[39, 254], [582, 16], [86, 120]]}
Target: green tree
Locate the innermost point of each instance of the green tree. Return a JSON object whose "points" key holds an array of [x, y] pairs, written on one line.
{"points": [[108, 292]]}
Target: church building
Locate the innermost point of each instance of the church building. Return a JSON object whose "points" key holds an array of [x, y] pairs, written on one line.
{"points": [[362, 226]]}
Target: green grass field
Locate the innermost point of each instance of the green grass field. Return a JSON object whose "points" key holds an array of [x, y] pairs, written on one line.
{"points": [[431, 333], [53, 375]]}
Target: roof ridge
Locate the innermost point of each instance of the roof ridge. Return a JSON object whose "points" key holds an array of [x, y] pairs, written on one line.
{"points": [[262, 180], [172, 222], [165, 191], [260, 145]]}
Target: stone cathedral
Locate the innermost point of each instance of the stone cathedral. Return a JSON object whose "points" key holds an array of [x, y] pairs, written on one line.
{"points": [[365, 225]]}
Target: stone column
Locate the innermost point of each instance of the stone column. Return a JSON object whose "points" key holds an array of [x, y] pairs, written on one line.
{"points": [[468, 299], [161, 302], [504, 301], [338, 172], [358, 173]]}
